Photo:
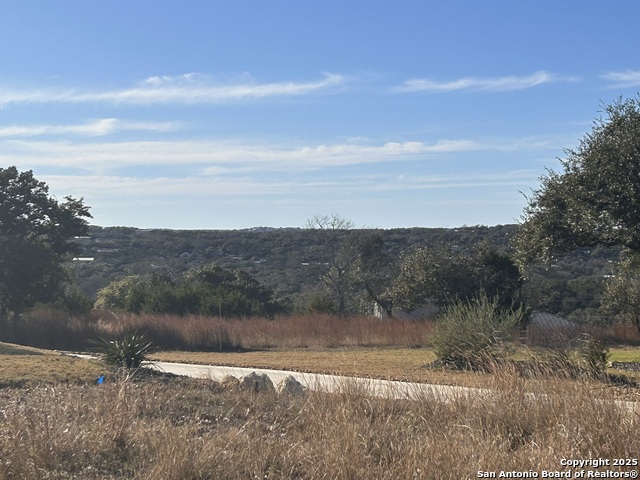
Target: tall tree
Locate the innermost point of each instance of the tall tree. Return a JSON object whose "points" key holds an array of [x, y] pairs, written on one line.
{"points": [[337, 240], [443, 274], [36, 238], [375, 269], [595, 200], [622, 293]]}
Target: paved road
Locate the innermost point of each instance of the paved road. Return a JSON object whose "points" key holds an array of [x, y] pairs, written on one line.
{"points": [[335, 383], [329, 383]]}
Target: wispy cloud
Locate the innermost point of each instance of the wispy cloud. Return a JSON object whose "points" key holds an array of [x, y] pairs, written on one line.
{"points": [[624, 79], [214, 157], [220, 157], [184, 89], [490, 84], [190, 187], [96, 128]]}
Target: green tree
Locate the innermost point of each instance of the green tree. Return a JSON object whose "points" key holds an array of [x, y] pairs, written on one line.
{"points": [[375, 269], [220, 291], [595, 200], [36, 239], [443, 274], [209, 290], [126, 294], [621, 297]]}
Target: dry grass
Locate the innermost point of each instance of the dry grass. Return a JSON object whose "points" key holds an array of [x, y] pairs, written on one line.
{"points": [[55, 330], [406, 364], [307, 331], [27, 366], [174, 428], [188, 429]]}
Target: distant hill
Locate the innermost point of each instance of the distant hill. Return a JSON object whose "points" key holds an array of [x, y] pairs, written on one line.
{"points": [[284, 258], [290, 259]]}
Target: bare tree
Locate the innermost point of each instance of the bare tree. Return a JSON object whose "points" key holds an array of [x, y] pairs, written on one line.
{"points": [[336, 238]]}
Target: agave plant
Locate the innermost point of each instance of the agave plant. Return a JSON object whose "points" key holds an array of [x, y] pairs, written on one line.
{"points": [[129, 351]]}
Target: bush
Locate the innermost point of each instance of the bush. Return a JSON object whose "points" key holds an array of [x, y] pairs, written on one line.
{"points": [[128, 352], [594, 354], [469, 334]]}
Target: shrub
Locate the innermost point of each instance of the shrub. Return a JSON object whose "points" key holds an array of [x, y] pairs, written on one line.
{"points": [[128, 352], [469, 334], [595, 354]]}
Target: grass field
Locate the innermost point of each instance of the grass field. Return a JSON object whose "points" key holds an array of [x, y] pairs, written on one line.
{"points": [[174, 428], [26, 366], [56, 422]]}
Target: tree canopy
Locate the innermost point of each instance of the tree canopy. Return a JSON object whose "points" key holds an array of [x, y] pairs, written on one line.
{"points": [[36, 238], [443, 274], [595, 200], [209, 290]]}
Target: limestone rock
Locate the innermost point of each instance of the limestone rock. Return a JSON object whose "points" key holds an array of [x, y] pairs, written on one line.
{"points": [[230, 382], [257, 382], [290, 386]]}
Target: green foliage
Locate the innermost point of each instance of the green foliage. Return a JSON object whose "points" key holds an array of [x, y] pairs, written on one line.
{"points": [[210, 290], [470, 333], [444, 274], [594, 354], [316, 300], [128, 352], [622, 294], [375, 269], [596, 199], [36, 238]]}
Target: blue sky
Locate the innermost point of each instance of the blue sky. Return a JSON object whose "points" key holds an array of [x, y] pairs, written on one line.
{"points": [[235, 114]]}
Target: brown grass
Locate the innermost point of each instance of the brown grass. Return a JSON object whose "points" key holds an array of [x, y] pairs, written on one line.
{"points": [[25, 366], [57, 330], [188, 429], [51, 329], [406, 364]]}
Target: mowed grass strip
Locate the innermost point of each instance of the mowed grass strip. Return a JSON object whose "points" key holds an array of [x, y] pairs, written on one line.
{"points": [[25, 366]]}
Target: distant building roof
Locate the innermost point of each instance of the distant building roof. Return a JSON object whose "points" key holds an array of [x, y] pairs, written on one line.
{"points": [[549, 320]]}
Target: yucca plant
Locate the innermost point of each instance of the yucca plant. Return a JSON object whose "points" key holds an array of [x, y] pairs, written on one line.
{"points": [[128, 352]]}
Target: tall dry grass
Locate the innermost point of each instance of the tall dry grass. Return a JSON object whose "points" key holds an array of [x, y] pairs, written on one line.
{"points": [[58, 330], [193, 429], [50, 329]]}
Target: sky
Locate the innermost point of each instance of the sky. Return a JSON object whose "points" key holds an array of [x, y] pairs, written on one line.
{"points": [[237, 114]]}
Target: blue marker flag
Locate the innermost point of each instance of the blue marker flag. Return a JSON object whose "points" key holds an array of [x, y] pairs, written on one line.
{"points": [[100, 379]]}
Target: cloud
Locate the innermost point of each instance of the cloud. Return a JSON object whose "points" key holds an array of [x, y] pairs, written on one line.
{"points": [[491, 84], [224, 157], [96, 128], [212, 155], [184, 89], [113, 188], [624, 79]]}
